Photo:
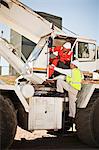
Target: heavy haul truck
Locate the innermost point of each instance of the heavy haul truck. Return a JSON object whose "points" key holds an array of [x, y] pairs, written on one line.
{"points": [[31, 103]]}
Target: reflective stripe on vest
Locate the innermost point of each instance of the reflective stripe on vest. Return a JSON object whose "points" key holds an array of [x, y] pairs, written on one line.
{"points": [[75, 79]]}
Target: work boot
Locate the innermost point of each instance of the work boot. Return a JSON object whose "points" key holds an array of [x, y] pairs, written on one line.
{"points": [[71, 120]]}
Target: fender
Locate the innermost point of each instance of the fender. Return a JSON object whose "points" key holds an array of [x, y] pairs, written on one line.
{"points": [[18, 93], [85, 94]]}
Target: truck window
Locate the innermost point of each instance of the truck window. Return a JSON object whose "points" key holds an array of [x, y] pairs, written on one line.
{"points": [[86, 51], [37, 50]]}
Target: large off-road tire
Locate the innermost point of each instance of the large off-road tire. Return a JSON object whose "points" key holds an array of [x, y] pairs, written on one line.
{"points": [[87, 122], [8, 122]]}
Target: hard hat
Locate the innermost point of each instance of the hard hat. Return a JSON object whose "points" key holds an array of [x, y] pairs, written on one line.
{"points": [[67, 45], [76, 63]]}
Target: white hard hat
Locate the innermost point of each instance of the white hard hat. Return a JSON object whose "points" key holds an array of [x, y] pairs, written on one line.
{"points": [[76, 63], [67, 45]]}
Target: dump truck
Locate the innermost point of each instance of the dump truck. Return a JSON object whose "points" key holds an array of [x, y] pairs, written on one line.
{"points": [[31, 102]]}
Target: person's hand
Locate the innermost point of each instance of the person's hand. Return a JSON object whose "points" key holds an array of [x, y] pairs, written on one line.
{"points": [[51, 50], [53, 66]]}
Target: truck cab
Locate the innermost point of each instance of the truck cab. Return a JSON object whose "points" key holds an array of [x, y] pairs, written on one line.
{"points": [[83, 49]]}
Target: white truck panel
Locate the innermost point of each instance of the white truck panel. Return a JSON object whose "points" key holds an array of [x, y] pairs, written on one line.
{"points": [[45, 113], [89, 65], [85, 94], [97, 64]]}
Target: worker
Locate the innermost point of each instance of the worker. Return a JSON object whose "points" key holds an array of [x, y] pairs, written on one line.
{"points": [[72, 84], [63, 58]]}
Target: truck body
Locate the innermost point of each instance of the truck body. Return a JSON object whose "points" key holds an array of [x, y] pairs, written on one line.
{"points": [[32, 104]]}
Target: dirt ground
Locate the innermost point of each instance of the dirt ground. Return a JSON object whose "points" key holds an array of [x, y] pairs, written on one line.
{"points": [[21, 134], [43, 140]]}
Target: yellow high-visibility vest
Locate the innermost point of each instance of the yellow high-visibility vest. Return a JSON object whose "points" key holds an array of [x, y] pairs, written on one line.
{"points": [[75, 79]]}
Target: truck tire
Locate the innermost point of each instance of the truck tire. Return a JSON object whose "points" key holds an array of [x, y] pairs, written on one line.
{"points": [[87, 122], [8, 122]]}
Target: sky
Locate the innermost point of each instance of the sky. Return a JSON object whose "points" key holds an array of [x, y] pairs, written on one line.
{"points": [[79, 16]]}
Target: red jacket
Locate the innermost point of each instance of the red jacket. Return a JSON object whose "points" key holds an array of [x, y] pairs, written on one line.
{"points": [[62, 56]]}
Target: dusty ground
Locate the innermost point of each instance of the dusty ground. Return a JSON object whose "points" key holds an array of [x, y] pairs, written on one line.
{"points": [[41, 140], [23, 134]]}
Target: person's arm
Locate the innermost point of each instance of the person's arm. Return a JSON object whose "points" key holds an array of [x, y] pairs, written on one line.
{"points": [[57, 49], [63, 71]]}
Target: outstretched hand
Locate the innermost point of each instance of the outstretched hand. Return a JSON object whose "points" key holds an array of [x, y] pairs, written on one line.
{"points": [[52, 65]]}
